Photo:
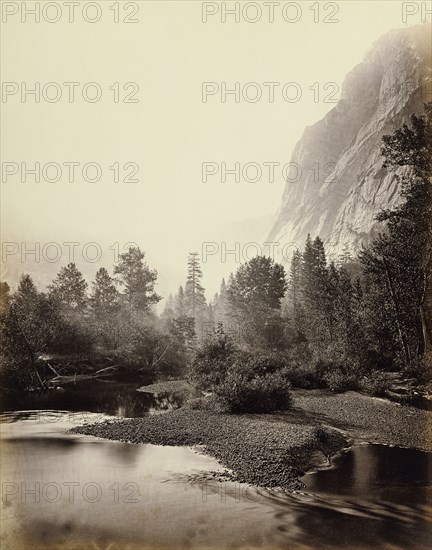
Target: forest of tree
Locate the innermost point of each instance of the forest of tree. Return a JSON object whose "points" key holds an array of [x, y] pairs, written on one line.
{"points": [[338, 324]]}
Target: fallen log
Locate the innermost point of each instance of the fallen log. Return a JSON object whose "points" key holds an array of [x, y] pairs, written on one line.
{"points": [[53, 369], [73, 379]]}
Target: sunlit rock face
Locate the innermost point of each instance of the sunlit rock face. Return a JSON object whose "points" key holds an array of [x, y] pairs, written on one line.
{"points": [[339, 198]]}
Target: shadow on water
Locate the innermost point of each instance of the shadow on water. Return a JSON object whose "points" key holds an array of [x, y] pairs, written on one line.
{"points": [[113, 398], [373, 496]]}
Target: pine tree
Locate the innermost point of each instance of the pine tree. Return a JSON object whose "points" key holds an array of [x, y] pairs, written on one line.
{"points": [[4, 297], [168, 313], [308, 292], [319, 287], [345, 257], [307, 275], [194, 291], [320, 255], [180, 303], [183, 328], [26, 295], [294, 297], [137, 279], [104, 298], [295, 278], [195, 302], [69, 289], [35, 316], [221, 306], [324, 292], [26, 307]]}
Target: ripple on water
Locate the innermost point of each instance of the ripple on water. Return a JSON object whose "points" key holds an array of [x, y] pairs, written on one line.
{"points": [[373, 496]]}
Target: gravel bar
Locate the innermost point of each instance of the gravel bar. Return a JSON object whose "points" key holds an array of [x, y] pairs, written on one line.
{"points": [[274, 450], [368, 419], [255, 450]]}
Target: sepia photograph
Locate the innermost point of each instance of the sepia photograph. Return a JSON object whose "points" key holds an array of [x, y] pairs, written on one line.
{"points": [[216, 275]]}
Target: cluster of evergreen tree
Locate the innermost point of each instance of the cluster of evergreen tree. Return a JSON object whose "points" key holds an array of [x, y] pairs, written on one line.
{"points": [[321, 304], [188, 311], [372, 312], [353, 315], [115, 317]]}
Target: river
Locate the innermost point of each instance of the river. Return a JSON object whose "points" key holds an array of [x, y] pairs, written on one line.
{"points": [[62, 490]]}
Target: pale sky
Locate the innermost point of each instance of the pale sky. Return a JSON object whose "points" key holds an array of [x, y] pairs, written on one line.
{"points": [[169, 53]]}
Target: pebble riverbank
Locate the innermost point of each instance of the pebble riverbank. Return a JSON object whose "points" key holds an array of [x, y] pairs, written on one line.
{"points": [[274, 450], [254, 450]]}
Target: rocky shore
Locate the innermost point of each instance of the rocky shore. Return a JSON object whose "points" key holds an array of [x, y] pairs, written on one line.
{"points": [[275, 450]]}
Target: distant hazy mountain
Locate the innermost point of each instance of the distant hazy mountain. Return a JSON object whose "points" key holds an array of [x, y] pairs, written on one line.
{"points": [[343, 183]]}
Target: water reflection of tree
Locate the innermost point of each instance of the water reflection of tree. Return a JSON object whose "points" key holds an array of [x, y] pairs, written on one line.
{"points": [[167, 401], [113, 398]]}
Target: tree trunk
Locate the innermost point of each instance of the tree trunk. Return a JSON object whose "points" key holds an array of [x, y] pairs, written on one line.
{"points": [[425, 329], [424, 311], [402, 337]]}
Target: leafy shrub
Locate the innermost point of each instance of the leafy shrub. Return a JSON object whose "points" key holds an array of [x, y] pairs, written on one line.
{"points": [[241, 381], [247, 388], [208, 403], [376, 383], [147, 347], [421, 369], [259, 364], [319, 373], [17, 368], [340, 380], [306, 376], [212, 361], [70, 337], [260, 394], [332, 370]]}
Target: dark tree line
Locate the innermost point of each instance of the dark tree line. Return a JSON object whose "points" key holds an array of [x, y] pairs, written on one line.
{"points": [[339, 322], [114, 319]]}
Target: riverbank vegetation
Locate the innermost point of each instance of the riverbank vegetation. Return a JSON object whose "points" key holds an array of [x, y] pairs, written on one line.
{"points": [[340, 323]]}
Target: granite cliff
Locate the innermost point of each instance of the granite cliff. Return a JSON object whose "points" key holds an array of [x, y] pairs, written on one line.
{"points": [[339, 199]]}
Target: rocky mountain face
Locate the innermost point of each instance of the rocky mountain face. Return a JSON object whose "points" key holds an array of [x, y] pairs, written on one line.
{"points": [[343, 183]]}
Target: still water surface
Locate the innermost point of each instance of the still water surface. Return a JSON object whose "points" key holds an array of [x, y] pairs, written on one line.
{"points": [[62, 490]]}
